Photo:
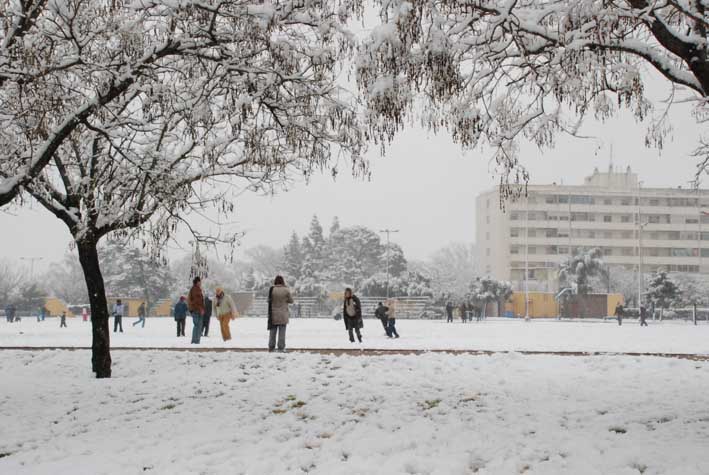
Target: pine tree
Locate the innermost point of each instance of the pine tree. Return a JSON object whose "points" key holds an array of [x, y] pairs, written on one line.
{"points": [[293, 257], [662, 290], [318, 248]]}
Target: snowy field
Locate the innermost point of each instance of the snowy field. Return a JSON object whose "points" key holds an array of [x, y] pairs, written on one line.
{"points": [[261, 413], [502, 334]]}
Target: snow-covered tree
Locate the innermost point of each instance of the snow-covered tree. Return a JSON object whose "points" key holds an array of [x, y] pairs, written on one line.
{"points": [[406, 284], [577, 271], [130, 272], [163, 108], [31, 296], [356, 254], [12, 278], [293, 257], [494, 72], [486, 290], [397, 260], [451, 269], [316, 253], [65, 280], [662, 290], [263, 262]]}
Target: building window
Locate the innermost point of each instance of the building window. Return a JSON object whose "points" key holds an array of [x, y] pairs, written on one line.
{"points": [[655, 219], [488, 203], [487, 236], [592, 234], [625, 202], [607, 219], [627, 235], [607, 201], [625, 218], [654, 202], [550, 199], [607, 234], [691, 221], [627, 251], [514, 250], [607, 251], [514, 216], [563, 250], [532, 250], [514, 232]]}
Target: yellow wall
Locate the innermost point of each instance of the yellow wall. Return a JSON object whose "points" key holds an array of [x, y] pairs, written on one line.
{"points": [[613, 300], [543, 304], [55, 307]]}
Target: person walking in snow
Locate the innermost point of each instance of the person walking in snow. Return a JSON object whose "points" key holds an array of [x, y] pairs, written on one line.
{"points": [[225, 311], [449, 312], [643, 316], [381, 314], [195, 302], [352, 314], [207, 314], [118, 312], [279, 296], [180, 314], [62, 323], [391, 319], [619, 313], [141, 315]]}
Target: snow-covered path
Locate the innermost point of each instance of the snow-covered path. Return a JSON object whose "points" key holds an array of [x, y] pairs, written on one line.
{"points": [[260, 413], [498, 335]]}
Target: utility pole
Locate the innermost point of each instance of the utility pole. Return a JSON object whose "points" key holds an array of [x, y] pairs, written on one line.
{"points": [[388, 232], [31, 260]]}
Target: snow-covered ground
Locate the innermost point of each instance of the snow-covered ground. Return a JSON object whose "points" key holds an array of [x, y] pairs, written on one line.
{"points": [[502, 334], [261, 413]]}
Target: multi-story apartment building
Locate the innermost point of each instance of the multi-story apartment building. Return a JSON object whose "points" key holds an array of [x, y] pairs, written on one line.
{"points": [[632, 225]]}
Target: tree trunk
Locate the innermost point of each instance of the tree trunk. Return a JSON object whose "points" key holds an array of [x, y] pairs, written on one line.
{"points": [[101, 344]]}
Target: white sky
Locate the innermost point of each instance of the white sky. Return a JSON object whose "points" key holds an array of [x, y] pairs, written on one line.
{"points": [[425, 186]]}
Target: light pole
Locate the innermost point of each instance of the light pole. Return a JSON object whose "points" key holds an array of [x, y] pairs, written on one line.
{"points": [[640, 246], [388, 232], [31, 260], [526, 258]]}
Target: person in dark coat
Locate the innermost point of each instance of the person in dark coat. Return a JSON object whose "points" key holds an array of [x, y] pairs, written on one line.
{"points": [[195, 303], [180, 314], [207, 314], [619, 313], [10, 313], [62, 323], [643, 316], [463, 311], [381, 314], [352, 315], [449, 312], [141, 315]]}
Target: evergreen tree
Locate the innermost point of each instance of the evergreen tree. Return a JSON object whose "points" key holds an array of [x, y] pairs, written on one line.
{"points": [[335, 226], [31, 297], [293, 257], [130, 272], [662, 290], [317, 253]]}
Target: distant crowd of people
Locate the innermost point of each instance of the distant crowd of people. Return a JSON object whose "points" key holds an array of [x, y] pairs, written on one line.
{"points": [[466, 312]]}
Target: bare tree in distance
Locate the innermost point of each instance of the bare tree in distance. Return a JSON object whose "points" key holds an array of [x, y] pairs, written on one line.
{"points": [[12, 278], [495, 73]]}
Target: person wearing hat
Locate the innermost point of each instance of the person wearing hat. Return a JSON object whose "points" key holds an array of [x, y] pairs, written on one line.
{"points": [[225, 311], [180, 314]]}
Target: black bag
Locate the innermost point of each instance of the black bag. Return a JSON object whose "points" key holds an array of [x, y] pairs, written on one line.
{"points": [[270, 318]]}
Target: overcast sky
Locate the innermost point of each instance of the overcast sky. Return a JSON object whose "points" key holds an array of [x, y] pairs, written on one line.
{"points": [[425, 186]]}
